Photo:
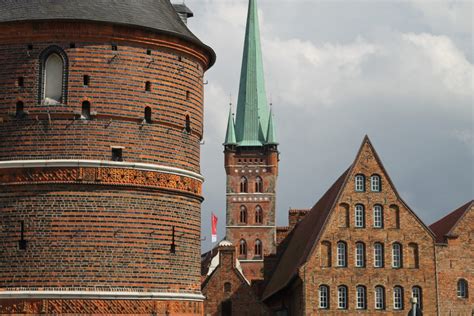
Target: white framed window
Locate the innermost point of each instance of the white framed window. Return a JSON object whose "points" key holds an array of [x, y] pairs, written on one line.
{"points": [[416, 293], [359, 216], [53, 78], [324, 296], [463, 289], [379, 297], [359, 182], [398, 297], [341, 254], [378, 255], [378, 216], [342, 297], [360, 254], [375, 183], [396, 255], [360, 297]]}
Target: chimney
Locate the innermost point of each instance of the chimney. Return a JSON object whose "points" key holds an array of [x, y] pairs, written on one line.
{"points": [[183, 12]]}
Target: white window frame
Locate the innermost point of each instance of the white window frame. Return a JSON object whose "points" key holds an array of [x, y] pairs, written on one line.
{"points": [[342, 297], [359, 255], [323, 296], [375, 181], [462, 288], [359, 216], [379, 298], [378, 255], [417, 292], [361, 295], [359, 183], [378, 216], [398, 298], [396, 255], [341, 254]]}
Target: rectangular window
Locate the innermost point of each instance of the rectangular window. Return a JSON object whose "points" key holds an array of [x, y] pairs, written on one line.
{"points": [[117, 154], [360, 254], [359, 216], [378, 219], [378, 255], [359, 183]]}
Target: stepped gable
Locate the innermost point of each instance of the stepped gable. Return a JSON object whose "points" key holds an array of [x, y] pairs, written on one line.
{"points": [[443, 227]]}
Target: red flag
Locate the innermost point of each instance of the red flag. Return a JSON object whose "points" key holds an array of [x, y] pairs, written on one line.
{"points": [[214, 228]]}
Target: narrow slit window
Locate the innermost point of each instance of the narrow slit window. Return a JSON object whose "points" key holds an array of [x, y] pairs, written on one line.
{"points": [[148, 51], [72, 45], [117, 154], [188, 94], [148, 115], [20, 82], [114, 47], [86, 80], [20, 109], [86, 110], [148, 86], [188, 125]]}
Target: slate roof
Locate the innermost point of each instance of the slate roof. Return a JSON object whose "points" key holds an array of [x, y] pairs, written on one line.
{"points": [[157, 15], [445, 225]]}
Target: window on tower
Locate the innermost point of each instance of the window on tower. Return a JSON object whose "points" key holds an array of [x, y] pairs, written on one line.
{"points": [[258, 214], [243, 248], [258, 185], [243, 185], [243, 214], [53, 75], [258, 248]]}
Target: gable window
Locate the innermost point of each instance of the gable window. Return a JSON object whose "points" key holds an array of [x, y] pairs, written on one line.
{"points": [[86, 110], [396, 255], [359, 216], [398, 297], [243, 214], [359, 183], [227, 287], [242, 248], [361, 297], [463, 289], [53, 76], [258, 214], [413, 255], [378, 255], [244, 187], [258, 248], [258, 185], [323, 296], [379, 297], [375, 183], [341, 254], [342, 297], [326, 253], [378, 216], [360, 255], [416, 293]]}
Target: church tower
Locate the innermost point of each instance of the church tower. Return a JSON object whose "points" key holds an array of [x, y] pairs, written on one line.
{"points": [[251, 161]]}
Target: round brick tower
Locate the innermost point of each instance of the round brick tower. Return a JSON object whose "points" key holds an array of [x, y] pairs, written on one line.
{"points": [[101, 113]]}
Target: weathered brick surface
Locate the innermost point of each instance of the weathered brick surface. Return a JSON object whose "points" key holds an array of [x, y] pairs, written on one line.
{"points": [[455, 260]]}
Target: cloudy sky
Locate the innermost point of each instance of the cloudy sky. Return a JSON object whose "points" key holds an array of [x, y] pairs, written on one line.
{"points": [[401, 72]]}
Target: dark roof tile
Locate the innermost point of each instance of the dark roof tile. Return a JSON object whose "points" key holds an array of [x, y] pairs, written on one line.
{"points": [[443, 227]]}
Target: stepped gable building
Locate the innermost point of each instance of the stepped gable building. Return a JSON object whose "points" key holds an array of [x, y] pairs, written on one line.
{"points": [[455, 260], [101, 114]]}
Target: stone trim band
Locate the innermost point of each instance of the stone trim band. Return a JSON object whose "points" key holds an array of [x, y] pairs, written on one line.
{"points": [[29, 294]]}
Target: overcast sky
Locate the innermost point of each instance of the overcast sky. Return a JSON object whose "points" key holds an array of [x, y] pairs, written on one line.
{"points": [[401, 72]]}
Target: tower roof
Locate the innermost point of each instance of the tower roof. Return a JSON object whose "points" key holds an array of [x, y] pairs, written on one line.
{"points": [[230, 134], [156, 15], [271, 136], [252, 109]]}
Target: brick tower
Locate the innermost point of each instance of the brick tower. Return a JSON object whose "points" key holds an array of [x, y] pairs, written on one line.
{"points": [[251, 161], [101, 108]]}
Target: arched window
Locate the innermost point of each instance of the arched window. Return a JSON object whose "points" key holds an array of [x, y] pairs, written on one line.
{"points": [[53, 75], [417, 293], [359, 216], [244, 185], [242, 248], [379, 297], [413, 261], [342, 297], [398, 297], [258, 185], [20, 110], [258, 248], [243, 214], [258, 214], [395, 216], [344, 215], [341, 254], [187, 127], [397, 255], [148, 115], [378, 216], [375, 183], [361, 297], [326, 253], [378, 255], [227, 287], [323, 296], [359, 183], [86, 110], [463, 288], [360, 254]]}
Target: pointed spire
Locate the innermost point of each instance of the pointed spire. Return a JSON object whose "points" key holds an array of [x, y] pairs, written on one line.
{"points": [[271, 136], [252, 109], [230, 134]]}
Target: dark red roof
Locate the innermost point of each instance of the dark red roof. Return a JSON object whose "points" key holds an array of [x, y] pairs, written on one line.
{"points": [[443, 227], [303, 238]]}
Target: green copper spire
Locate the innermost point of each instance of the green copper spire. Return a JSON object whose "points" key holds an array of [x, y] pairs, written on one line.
{"points": [[271, 136], [252, 109], [230, 134]]}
